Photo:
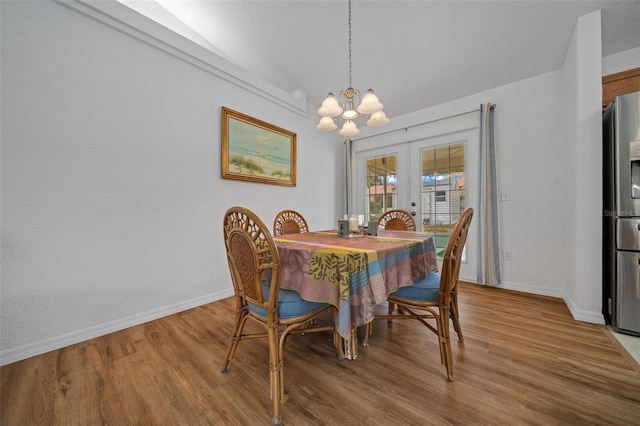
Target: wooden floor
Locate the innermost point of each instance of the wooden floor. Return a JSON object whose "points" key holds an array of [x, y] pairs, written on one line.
{"points": [[524, 361]]}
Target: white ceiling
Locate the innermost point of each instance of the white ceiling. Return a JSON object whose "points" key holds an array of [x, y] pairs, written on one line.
{"points": [[414, 54]]}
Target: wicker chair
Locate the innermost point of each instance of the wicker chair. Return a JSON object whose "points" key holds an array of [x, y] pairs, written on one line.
{"points": [[397, 220], [254, 265], [289, 222], [435, 296]]}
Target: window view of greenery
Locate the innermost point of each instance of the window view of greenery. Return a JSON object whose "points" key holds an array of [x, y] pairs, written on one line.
{"points": [[443, 191], [443, 195], [381, 185]]}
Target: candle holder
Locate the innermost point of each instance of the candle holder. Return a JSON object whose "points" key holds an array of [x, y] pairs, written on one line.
{"points": [[356, 224]]}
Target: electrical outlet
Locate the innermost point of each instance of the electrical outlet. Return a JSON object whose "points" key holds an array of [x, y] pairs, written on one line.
{"points": [[504, 196], [507, 255]]}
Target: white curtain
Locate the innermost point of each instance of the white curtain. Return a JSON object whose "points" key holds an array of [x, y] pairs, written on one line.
{"points": [[487, 214]]}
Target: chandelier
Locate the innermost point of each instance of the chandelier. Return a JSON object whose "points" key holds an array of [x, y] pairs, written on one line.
{"points": [[349, 106]]}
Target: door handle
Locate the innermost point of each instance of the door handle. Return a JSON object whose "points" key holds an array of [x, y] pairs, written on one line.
{"points": [[638, 280]]}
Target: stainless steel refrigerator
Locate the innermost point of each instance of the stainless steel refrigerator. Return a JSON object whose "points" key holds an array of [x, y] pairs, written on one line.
{"points": [[621, 214]]}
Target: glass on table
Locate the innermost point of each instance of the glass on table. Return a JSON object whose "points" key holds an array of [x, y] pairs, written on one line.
{"points": [[372, 228]]}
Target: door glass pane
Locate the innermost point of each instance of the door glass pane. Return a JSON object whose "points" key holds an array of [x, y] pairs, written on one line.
{"points": [[443, 191], [381, 191]]}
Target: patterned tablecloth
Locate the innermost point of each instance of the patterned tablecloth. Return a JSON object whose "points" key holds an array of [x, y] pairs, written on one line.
{"points": [[353, 273]]}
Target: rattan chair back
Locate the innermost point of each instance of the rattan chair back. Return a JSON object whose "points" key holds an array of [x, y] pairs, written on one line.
{"points": [[397, 220], [252, 256], [289, 222], [453, 257]]}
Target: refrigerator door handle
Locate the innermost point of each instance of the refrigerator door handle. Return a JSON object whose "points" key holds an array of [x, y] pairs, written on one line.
{"points": [[638, 280]]}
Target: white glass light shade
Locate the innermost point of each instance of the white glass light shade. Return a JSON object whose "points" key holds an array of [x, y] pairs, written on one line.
{"points": [[349, 114], [326, 124], [349, 129], [378, 119], [370, 103], [330, 107]]}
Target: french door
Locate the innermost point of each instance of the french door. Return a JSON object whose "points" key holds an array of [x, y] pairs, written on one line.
{"points": [[432, 177]]}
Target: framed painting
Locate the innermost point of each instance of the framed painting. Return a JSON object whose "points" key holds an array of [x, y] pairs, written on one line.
{"points": [[256, 151]]}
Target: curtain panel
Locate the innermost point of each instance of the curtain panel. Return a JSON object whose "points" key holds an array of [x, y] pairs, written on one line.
{"points": [[488, 249]]}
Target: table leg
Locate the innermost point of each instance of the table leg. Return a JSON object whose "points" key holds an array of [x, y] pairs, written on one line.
{"points": [[351, 345]]}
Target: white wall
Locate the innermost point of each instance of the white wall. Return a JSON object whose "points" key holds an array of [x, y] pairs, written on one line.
{"points": [[528, 135], [583, 153], [548, 138], [112, 200]]}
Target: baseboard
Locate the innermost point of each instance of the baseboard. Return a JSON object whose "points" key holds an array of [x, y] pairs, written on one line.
{"points": [[581, 314], [578, 314], [533, 290], [522, 288], [19, 353]]}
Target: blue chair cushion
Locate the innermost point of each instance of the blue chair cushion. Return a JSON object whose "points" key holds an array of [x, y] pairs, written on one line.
{"points": [[290, 304], [423, 289]]}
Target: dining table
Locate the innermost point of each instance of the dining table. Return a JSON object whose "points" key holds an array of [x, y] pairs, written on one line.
{"points": [[354, 273]]}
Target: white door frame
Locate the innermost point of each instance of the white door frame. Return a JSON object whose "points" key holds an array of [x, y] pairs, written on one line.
{"points": [[401, 152]]}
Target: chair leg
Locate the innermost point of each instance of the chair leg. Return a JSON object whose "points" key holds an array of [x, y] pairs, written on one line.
{"points": [[455, 318], [368, 331], [282, 339], [275, 373], [241, 318], [391, 309], [444, 340]]}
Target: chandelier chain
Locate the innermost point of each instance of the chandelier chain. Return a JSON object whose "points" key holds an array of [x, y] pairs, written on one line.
{"points": [[350, 43]]}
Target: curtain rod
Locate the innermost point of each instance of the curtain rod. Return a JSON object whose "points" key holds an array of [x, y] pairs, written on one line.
{"points": [[493, 106]]}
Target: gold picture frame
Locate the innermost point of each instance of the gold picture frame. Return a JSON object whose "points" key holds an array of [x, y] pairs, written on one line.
{"points": [[256, 151]]}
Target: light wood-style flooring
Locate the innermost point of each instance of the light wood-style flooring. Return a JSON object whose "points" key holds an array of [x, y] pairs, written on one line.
{"points": [[524, 361]]}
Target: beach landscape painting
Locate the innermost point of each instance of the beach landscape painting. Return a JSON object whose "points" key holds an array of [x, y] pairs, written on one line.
{"points": [[256, 151]]}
